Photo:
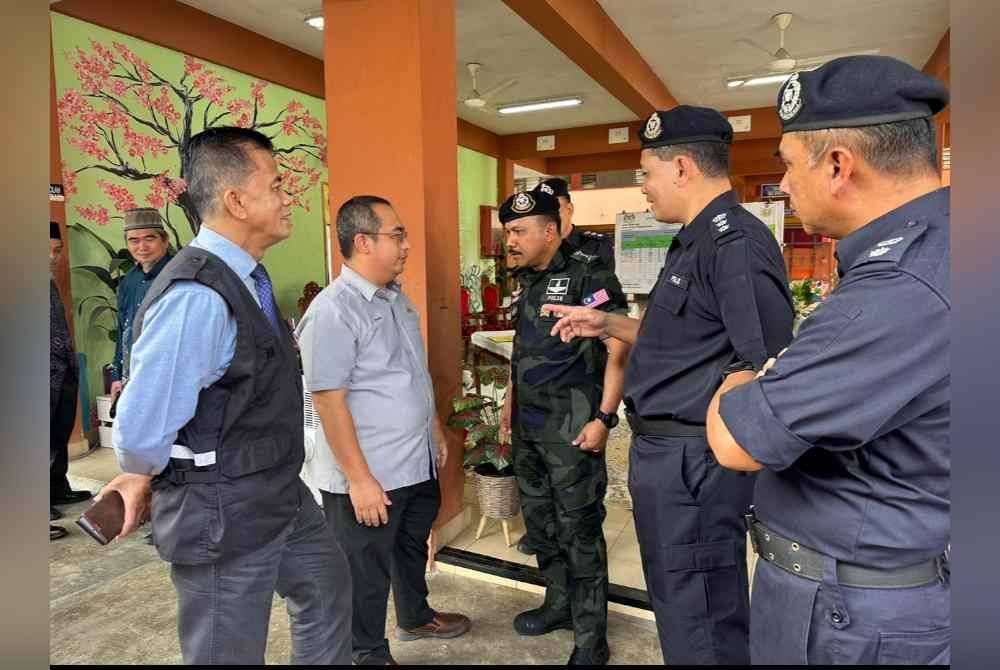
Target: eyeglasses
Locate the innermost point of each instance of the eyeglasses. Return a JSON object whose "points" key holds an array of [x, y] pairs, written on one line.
{"points": [[400, 235]]}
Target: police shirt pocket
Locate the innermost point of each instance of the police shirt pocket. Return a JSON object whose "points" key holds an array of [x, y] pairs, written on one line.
{"points": [[671, 298], [931, 647], [701, 579]]}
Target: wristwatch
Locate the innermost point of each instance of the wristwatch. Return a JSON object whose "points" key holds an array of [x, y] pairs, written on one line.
{"points": [[609, 420]]}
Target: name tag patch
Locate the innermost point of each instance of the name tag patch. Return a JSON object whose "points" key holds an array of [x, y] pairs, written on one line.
{"points": [[679, 281]]}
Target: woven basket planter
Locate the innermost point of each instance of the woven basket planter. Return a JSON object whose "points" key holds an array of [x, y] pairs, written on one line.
{"points": [[498, 498]]}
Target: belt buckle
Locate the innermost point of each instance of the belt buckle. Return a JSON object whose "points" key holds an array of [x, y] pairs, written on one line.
{"points": [[749, 519]]}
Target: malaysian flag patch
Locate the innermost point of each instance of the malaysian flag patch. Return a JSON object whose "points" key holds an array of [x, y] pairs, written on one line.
{"points": [[597, 299]]}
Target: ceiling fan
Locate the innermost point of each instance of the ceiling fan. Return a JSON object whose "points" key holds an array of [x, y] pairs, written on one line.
{"points": [[480, 101], [783, 64]]}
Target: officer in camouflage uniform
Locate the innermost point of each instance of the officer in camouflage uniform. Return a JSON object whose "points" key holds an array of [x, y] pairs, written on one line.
{"points": [[561, 406]]}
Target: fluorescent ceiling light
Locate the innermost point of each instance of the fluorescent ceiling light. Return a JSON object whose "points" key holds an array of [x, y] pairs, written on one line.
{"points": [[519, 108], [316, 22], [739, 82]]}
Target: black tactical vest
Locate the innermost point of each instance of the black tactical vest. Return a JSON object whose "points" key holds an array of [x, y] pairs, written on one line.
{"points": [[251, 419]]}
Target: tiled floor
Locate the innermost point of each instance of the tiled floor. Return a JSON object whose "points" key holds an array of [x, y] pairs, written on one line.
{"points": [[624, 566]]}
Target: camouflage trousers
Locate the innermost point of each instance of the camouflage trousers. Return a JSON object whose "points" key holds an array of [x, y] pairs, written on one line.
{"points": [[562, 496]]}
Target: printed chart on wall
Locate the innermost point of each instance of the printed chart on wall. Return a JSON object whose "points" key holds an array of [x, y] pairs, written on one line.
{"points": [[641, 244], [772, 214]]}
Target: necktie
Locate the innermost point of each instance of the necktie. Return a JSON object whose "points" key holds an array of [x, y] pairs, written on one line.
{"points": [[266, 294]]}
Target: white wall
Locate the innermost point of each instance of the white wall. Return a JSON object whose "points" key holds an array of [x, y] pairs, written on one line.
{"points": [[599, 206]]}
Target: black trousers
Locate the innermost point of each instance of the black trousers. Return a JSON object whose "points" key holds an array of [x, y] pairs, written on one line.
{"points": [[392, 554], [62, 416], [689, 521]]}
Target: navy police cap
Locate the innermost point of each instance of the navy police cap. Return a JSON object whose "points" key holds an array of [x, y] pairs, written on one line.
{"points": [[858, 91], [684, 124], [529, 203], [554, 186]]}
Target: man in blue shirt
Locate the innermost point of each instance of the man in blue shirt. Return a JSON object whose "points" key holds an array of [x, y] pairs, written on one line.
{"points": [[147, 241], [210, 426], [848, 428]]}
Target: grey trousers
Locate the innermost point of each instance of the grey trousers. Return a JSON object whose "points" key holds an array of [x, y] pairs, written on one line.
{"points": [[224, 608]]}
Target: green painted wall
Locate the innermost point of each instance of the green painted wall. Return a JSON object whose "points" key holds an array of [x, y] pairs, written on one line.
{"points": [[477, 185], [101, 148]]}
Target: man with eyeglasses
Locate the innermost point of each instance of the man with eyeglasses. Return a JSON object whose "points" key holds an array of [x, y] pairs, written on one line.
{"points": [[365, 364]]}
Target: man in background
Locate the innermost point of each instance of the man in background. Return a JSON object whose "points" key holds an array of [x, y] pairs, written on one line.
{"points": [[147, 242], [63, 386], [588, 241]]}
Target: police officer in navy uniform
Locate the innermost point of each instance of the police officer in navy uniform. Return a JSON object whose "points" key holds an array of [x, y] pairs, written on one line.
{"points": [[849, 427], [720, 304], [589, 242]]}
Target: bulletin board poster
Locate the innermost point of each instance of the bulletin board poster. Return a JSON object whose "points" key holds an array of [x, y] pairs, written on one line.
{"points": [[772, 214], [641, 244]]}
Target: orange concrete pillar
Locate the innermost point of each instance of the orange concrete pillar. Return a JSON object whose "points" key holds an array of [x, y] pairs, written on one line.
{"points": [[390, 105], [505, 178]]}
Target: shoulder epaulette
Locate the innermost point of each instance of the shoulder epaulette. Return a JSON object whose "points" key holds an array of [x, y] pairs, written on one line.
{"points": [[724, 230], [892, 248], [584, 257]]}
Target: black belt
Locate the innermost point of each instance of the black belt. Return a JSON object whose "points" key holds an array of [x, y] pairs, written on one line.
{"points": [[805, 562], [183, 471], [663, 427]]}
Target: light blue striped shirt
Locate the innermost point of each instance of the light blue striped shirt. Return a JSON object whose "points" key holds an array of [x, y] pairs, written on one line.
{"points": [[188, 340]]}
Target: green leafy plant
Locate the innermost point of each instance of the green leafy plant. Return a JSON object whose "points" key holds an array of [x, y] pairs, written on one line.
{"points": [[101, 305], [806, 296], [478, 414]]}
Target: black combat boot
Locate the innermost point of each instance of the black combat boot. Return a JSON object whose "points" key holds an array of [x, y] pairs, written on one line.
{"points": [[542, 620], [598, 655]]}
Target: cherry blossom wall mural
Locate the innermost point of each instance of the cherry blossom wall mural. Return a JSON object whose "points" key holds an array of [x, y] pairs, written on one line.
{"points": [[126, 111]]}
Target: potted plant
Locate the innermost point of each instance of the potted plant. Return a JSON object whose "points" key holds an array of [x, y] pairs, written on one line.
{"points": [[487, 453], [806, 296]]}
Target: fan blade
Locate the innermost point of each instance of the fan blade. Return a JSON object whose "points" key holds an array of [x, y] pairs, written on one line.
{"points": [[502, 86], [823, 58], [750, 43]]}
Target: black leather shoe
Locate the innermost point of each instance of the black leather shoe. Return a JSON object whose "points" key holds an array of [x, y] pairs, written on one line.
{"points": [[56, 532], [148, 539], [54, 514], [525, 547], [541, 621], [598, 655], [70, 497]]}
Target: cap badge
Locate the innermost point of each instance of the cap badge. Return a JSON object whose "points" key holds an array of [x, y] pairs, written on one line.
{"points": [[791, 98], [545, 188], [654, 127], [522, 203]]}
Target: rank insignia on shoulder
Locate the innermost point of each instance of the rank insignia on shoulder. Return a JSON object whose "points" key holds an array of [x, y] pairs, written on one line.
{"points": [[585, 257], [894, 248], [723, 231], [597, 299]]}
